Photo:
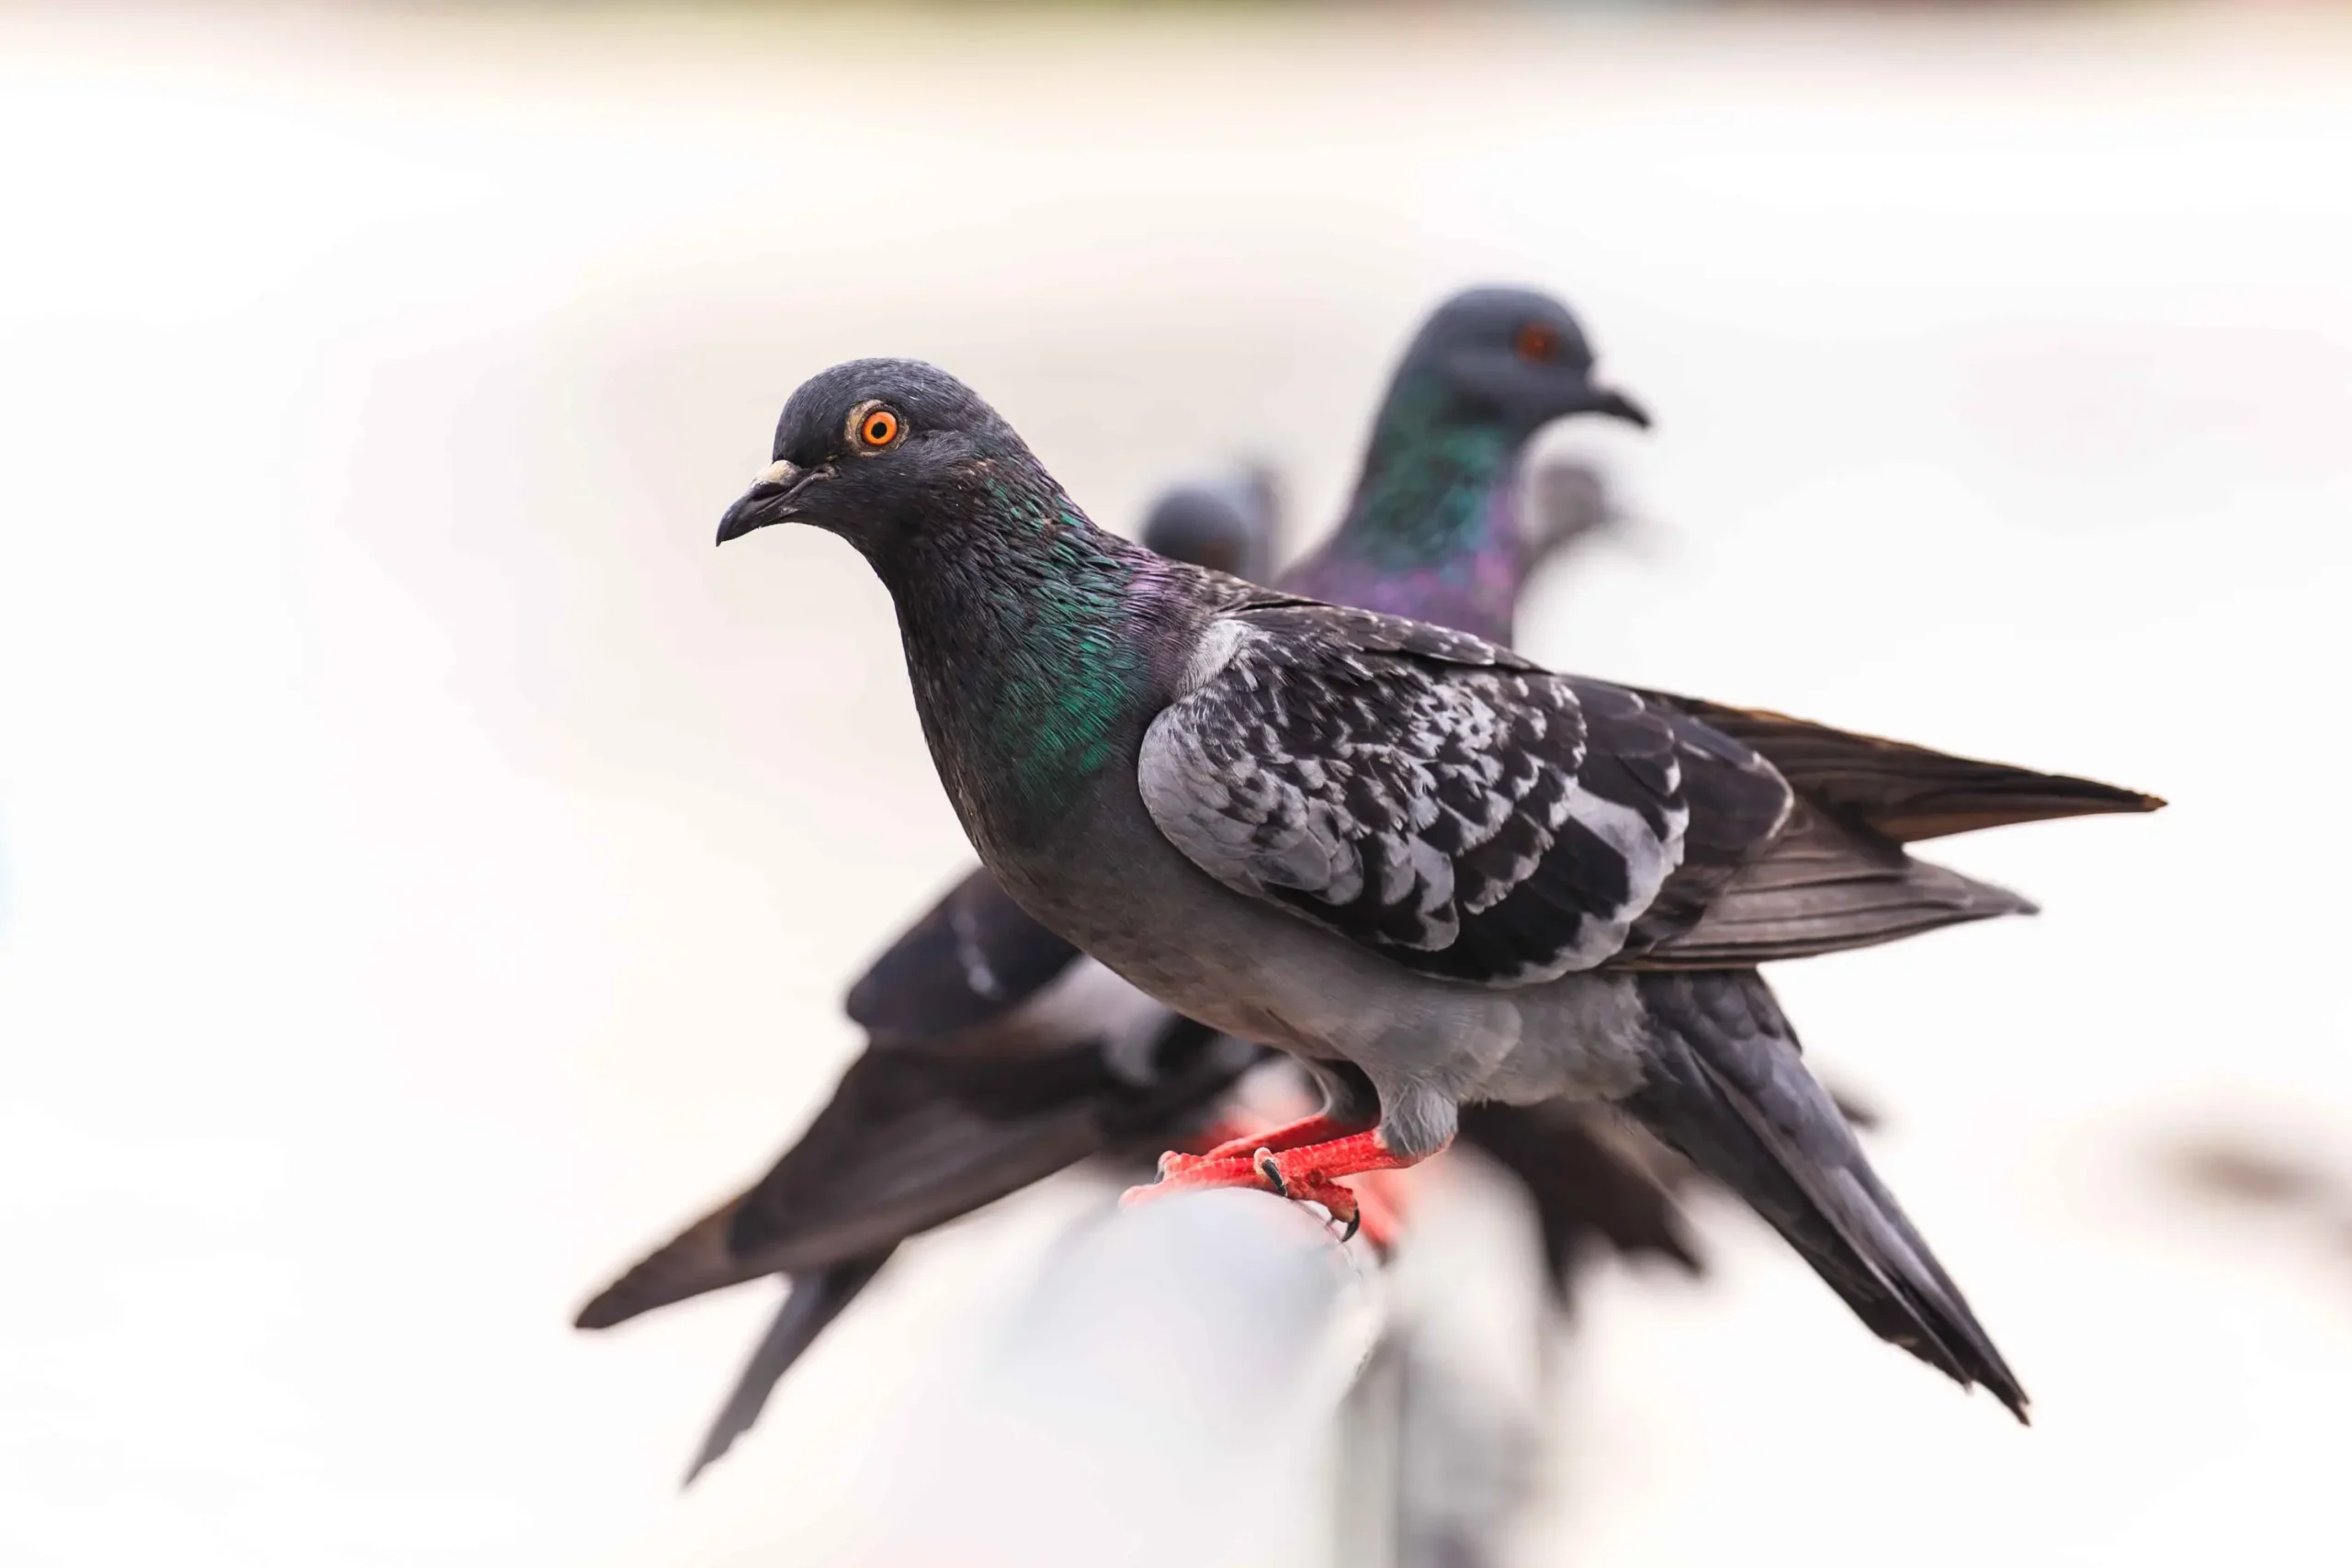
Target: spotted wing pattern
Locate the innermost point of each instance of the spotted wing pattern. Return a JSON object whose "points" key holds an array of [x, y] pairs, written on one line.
{"points": [[1427, 794]]}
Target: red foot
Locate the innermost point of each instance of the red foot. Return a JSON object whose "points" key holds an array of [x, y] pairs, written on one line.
{"points": [[1308, 1173], [1242, 1143]]}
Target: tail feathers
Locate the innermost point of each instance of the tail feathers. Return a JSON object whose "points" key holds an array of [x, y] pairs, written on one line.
{"points": [[1909, 793], [816, 1299], [1824, 886], [1727, 1088], [696, 1260]]}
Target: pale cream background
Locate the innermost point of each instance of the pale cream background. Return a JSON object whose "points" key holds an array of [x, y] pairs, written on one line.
{"points": [[430, 869]]}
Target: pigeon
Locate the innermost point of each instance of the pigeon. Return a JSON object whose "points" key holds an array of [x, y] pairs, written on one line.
{"points": [[1000, 1056], [1402, 854], [997, 1055]]}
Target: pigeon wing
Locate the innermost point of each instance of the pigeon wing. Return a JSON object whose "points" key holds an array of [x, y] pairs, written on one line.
{"points": [[1439, 798], [973, 958]]}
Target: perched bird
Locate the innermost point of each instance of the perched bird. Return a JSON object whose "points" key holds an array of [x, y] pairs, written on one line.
{"points": [[1404, 854], [998, 1054]]}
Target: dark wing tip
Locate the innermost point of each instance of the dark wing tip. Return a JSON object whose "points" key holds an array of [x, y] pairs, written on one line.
{"points": [[691, 1263], [608, 1309]]}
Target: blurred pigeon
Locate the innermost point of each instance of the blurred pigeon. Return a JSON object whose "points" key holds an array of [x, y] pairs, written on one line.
{"points": [[1373, 841], [1000, 1056], [2261, 1172], [1226, 522]]}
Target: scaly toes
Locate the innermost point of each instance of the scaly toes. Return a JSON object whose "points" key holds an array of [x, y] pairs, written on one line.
{"points": [[1192, 1176], [1337, 1200], [1310, 1186], [1263, 1169]]}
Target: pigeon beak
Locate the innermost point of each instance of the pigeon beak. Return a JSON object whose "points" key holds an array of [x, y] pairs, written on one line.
{"points": [[1617, 405], [768, 500]]}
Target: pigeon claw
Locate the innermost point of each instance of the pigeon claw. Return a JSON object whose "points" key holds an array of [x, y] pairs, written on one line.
{"points": [[1311, 1187], [1262, 1171]]}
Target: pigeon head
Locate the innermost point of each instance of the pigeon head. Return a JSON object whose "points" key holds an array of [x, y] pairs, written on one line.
{"points": [[1510, 356], [1225, 525], [1434, 527], [865, 448]]}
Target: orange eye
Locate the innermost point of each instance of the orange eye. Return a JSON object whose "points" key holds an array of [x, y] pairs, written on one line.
{"points": [[1536, 342], [878, 428]]}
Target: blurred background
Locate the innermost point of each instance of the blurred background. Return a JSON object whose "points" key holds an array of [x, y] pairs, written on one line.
{"points": [[428, 870]]}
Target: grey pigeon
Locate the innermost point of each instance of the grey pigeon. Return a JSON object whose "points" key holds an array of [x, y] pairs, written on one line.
{"points": [[1373, 842], [1000, 1056]]}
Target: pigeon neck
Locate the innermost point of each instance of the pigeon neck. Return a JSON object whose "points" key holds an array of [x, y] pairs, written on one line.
{"points": [[1435, 530], [1014, 619]]}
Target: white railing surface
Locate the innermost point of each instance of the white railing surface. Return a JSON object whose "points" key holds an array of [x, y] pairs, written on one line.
{"points": [[1214, 1380], [1164, 1393]]}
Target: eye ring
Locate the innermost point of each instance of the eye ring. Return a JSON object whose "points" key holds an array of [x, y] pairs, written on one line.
{"points": [[1537, 343], [874, 426]]}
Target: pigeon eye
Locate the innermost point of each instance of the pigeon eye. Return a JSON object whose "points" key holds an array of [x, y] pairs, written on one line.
{"points": [[874, 427], [1536, 343]]}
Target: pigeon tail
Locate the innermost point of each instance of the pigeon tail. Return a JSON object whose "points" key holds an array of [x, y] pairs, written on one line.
{"points": [[1907, 793], [816, 1299], [1726, 1087]]}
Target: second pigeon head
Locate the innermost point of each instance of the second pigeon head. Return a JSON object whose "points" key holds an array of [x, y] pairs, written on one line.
{"points": [[1513, 356]]}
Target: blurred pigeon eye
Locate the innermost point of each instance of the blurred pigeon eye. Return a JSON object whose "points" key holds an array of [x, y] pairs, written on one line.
{"points": [[874, 427], [1536, 343]]}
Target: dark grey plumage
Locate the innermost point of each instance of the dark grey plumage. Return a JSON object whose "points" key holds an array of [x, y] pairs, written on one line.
{"points": [[999, 1055], [1479, 820], [969, 1090], [1727, 1088], [1360, 838]]}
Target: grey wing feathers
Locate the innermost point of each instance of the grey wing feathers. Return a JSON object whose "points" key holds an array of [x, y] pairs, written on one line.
{"points": [[1822, 886], [1420, 791], [898, 1151], [909, 1143], [973, 958], [1472, 818], [1907, 792]]}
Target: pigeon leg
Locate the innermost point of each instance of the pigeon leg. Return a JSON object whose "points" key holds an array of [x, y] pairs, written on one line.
{"points": [[1319, 1165], [1316, 1129], [1308, 1173]]}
